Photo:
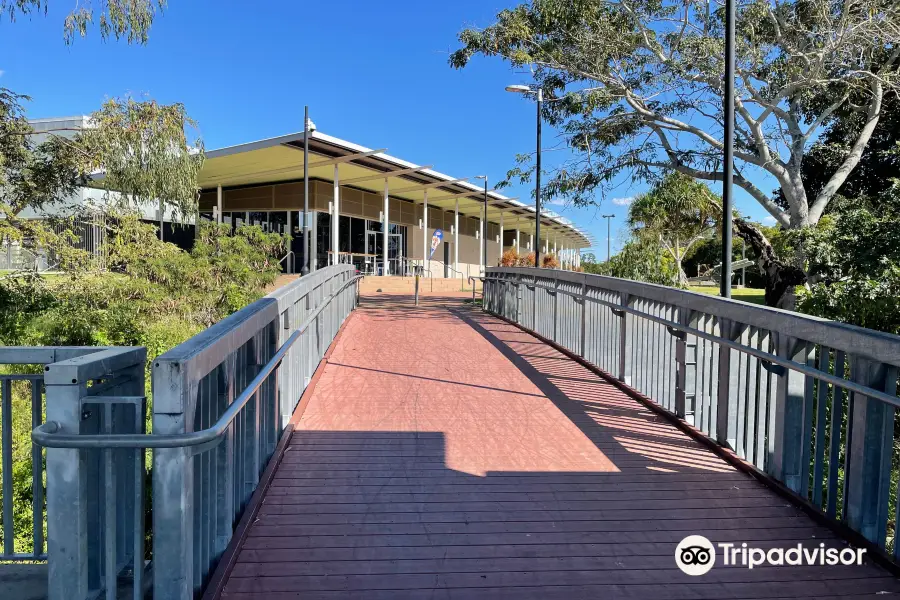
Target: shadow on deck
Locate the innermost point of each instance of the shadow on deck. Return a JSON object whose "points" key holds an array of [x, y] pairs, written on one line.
{"points": [[447, 454]]}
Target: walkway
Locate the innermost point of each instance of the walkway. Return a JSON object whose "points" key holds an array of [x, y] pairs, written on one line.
{"points": [[445, 454]]}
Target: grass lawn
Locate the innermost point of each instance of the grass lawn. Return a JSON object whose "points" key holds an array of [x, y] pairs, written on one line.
{"points": [[752, 295]]}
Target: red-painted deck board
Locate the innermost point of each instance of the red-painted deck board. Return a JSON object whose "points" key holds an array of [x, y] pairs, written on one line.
{"points": [[446, 454]]}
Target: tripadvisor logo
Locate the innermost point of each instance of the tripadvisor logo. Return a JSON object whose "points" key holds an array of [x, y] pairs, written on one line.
{"points": [[696, 555]]}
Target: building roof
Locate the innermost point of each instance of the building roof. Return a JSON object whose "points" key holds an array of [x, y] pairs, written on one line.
{"points": [[280, 159]]}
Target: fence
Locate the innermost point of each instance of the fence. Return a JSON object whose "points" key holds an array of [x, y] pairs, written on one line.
{"points": [[88, 390], [220, 403], [809, 402], [85, 231]]}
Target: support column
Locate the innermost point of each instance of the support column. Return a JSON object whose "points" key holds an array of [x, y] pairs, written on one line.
{"points": [[530, 242], [456, 237], [219, 203], [501, 235], [481, 256], [517, 239], [336, 220], [313, 236], [384, 232], [426, 263]]}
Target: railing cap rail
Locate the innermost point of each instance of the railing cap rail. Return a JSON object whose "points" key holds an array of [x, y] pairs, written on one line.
{"points": [[196, 357], [878, 345]]}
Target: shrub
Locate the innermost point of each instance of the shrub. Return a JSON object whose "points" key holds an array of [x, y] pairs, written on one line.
{"points": [[549, 261], [510, 258], [527, 260]]}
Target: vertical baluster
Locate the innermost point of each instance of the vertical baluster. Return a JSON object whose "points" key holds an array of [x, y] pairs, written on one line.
{"points": [[790, 417], [821, 404], [6, 451], [37, 472], [869, 469], [765, 390], [109, 511], [752, 399], [834, 451]]}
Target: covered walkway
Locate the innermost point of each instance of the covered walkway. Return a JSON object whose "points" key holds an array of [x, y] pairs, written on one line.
{"points": [[443, 453]]}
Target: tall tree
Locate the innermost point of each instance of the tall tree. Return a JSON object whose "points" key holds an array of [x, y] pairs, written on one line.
{"points": [[677, 212], [141, 151], [650, 77]]}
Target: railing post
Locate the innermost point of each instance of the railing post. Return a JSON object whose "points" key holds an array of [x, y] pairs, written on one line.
{"points": [[67, 496], [726, 410], [684, 318], [173, 485], [556, 308], [626, 324], [869, 455], [584, 305], [785, 447]]}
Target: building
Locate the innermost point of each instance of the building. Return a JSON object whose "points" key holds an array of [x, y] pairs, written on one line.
{"points": [[262, 183]]}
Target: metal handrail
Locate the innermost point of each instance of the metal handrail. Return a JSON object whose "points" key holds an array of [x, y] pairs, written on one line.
{"points": [[440, 262], [760, 354], [472, 279], [48, 435], [805, 401], [293, 258]]}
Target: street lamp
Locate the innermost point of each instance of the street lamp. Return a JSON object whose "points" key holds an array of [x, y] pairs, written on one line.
{"points": [[608, 235], [484, 226], [728, 142], [539, 93], [308, 127]]}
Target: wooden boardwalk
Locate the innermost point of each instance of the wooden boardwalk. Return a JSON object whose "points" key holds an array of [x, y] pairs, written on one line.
{"points": [[445, 454]]}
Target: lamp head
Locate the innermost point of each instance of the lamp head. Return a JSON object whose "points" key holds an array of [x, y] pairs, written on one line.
{"points": [[519, 89]]}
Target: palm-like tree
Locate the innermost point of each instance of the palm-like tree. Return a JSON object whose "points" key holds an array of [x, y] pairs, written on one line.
{"points": [[678, 212]]}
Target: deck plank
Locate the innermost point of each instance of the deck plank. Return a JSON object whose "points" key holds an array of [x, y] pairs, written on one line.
{"points": [[445, 454]]}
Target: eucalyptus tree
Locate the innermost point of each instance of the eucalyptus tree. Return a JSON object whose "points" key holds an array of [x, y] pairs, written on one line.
{"points": [[650, 76], [141, 150], [678, 212]]}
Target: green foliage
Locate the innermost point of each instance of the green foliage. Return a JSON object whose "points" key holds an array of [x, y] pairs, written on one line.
{"points": [[872, 301], [854, 258], [144, 153], [150, 284], [129, 19], [639, 260], [676, 213], [635, 87], [155, 295]]}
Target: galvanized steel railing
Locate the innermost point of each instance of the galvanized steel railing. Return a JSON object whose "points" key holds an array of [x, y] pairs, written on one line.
{"points": [[810, 402], [220, 403], [96, 494]]}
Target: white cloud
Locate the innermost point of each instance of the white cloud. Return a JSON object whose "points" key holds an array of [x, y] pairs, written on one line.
{"points": [[770, 220], [623, 201], [2, 72], [556, 202]]}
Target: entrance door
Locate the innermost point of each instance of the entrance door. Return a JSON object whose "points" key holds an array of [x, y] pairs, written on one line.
{"points": [[446, 260]]}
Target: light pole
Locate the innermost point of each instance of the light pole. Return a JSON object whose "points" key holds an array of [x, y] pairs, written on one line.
{"points": [[484, 226], [304, 256], [524, 89], [608, 235], [728, 142]]}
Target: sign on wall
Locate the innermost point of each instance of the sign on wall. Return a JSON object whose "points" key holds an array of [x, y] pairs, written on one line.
{"points": [[436, 240]]}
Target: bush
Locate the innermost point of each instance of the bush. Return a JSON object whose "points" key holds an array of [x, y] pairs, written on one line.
{"points": [[510, 258], [549, 261], [155, 295]]}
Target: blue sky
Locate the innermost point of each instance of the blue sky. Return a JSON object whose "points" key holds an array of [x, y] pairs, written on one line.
{"points": [[372, 73]]}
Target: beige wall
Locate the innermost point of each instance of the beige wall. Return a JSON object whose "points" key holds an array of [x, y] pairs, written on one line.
{"points": [[357, 203]]}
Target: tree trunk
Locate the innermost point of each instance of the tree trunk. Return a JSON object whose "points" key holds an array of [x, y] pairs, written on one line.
{"points": [[780, 278]]}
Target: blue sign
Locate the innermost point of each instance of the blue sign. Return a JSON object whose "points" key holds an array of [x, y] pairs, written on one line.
{"points": [[436, 240]]}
